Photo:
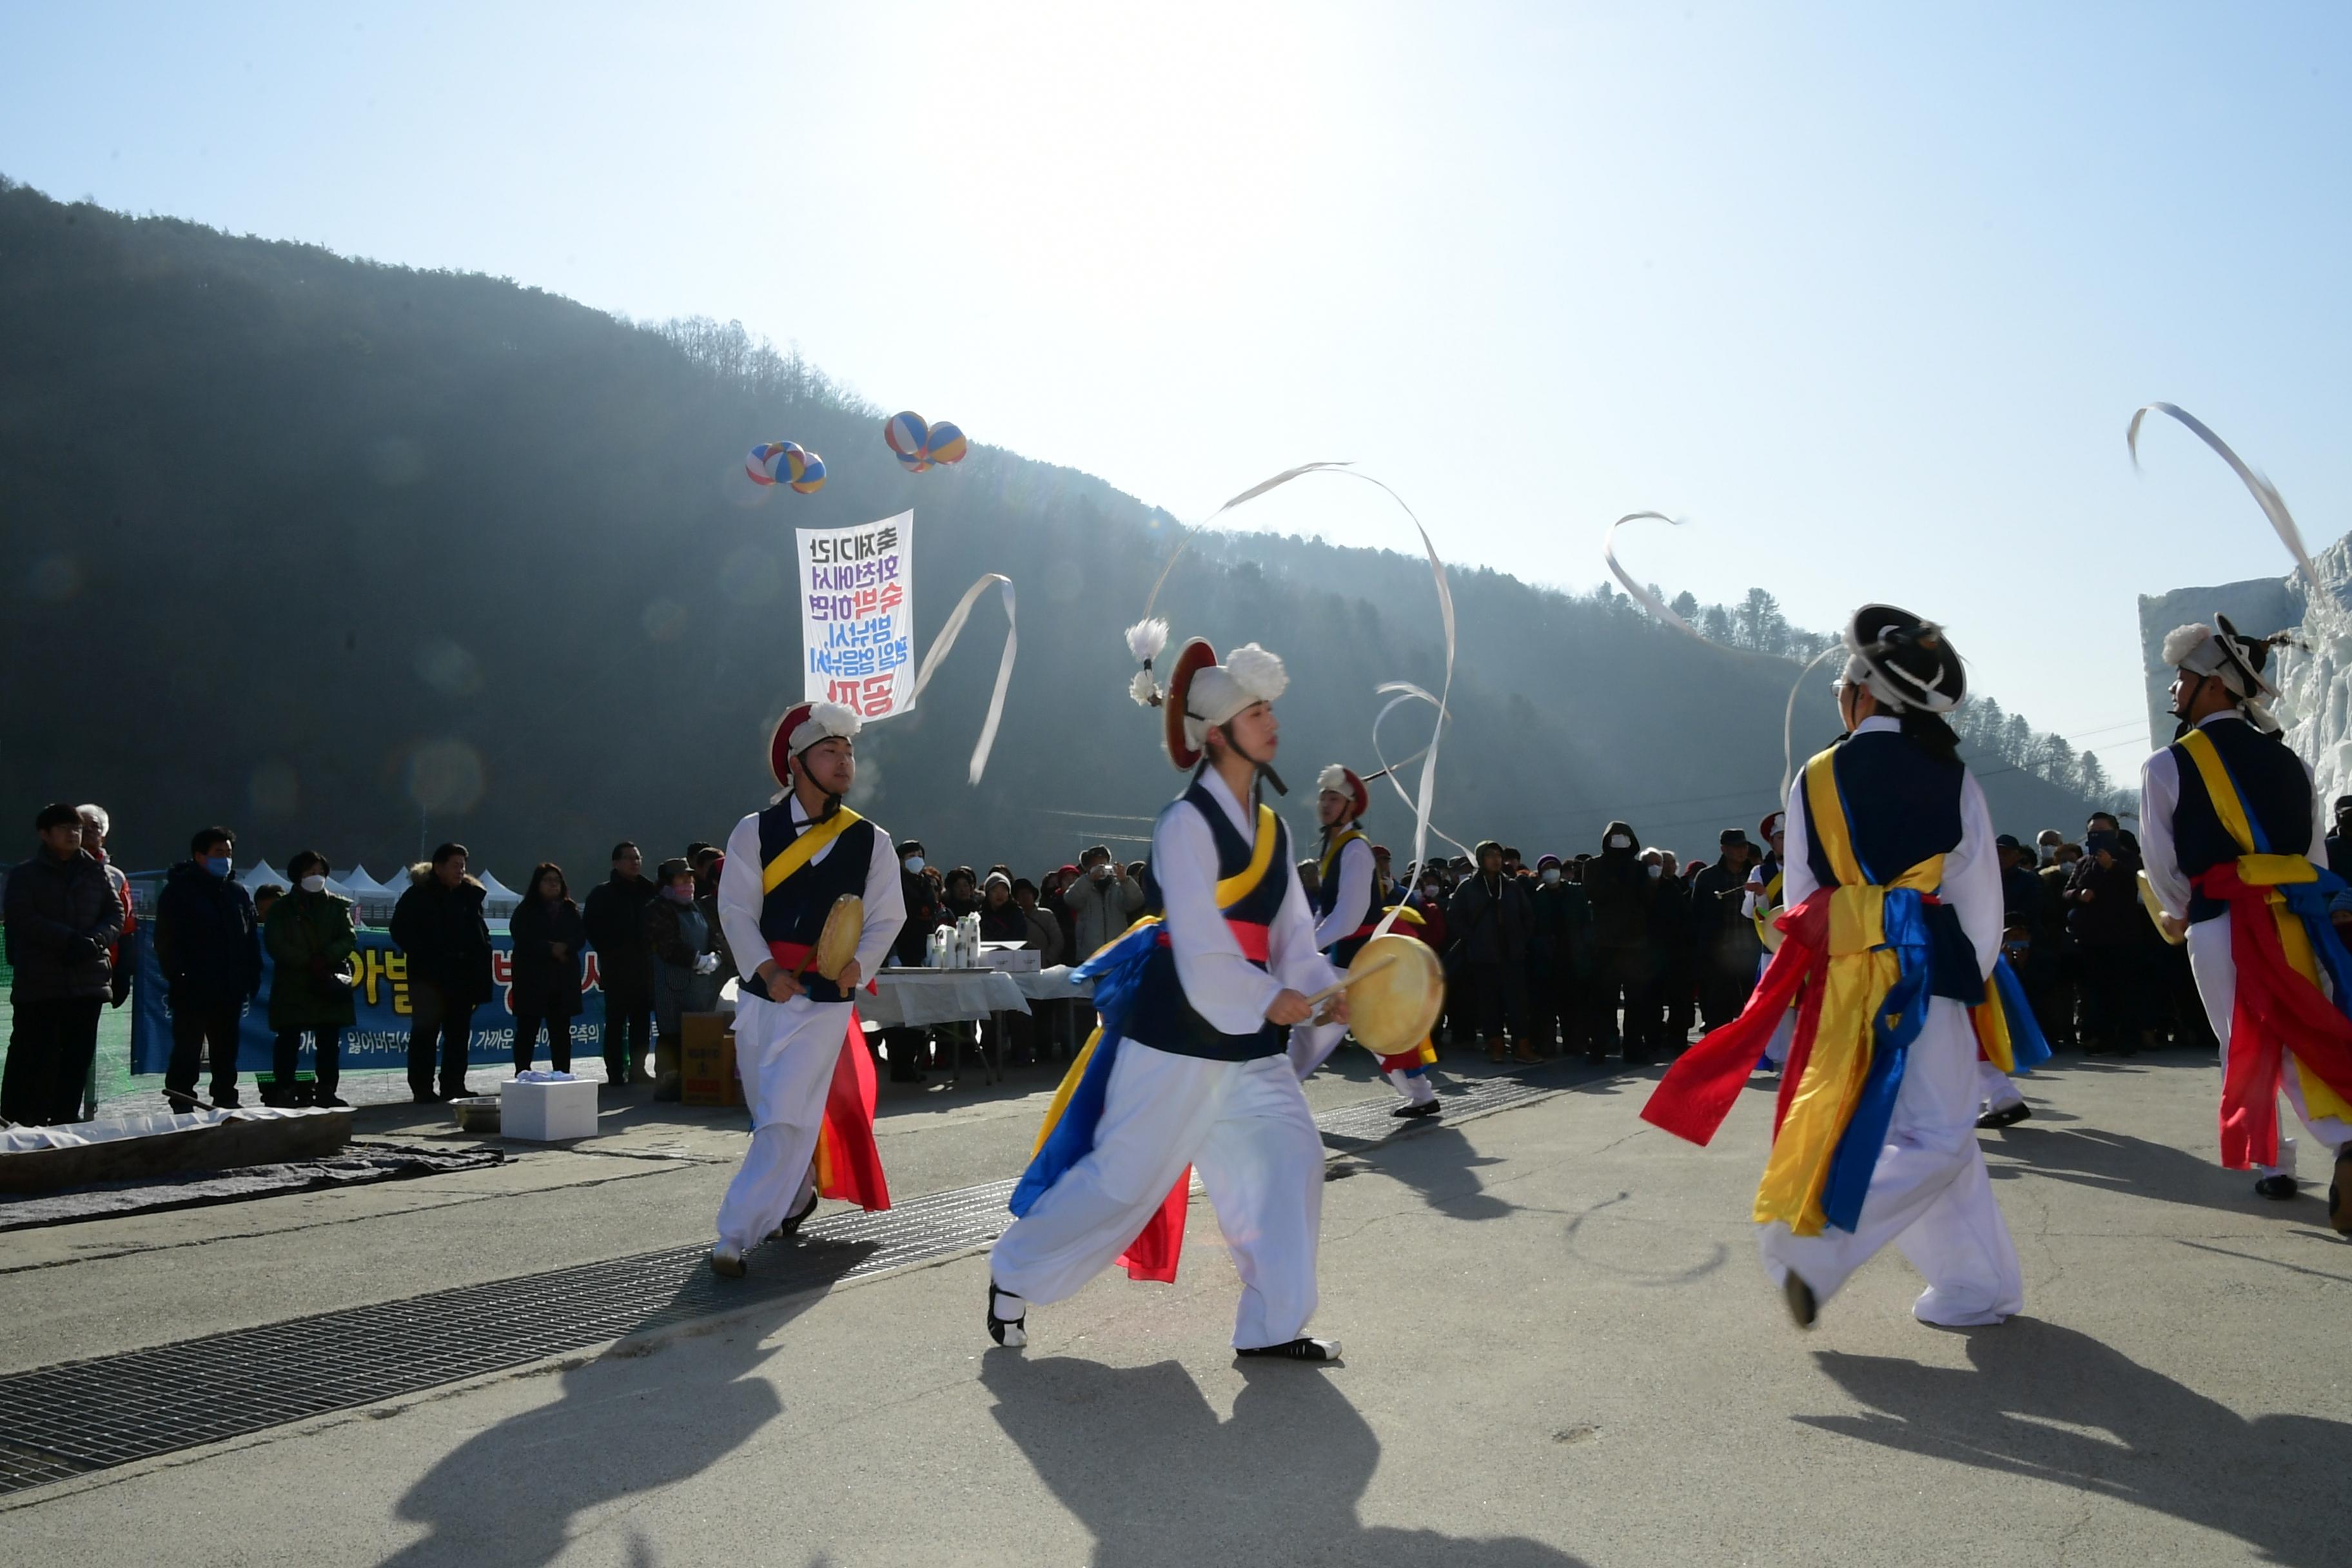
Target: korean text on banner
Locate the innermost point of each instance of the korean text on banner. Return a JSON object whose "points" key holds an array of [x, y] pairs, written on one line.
{"points": [[858, 616]]}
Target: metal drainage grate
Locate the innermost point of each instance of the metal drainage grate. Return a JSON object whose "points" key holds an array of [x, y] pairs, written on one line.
{"points": [[56, 1422]]}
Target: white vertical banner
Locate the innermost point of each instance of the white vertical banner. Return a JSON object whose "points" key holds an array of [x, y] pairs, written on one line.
{"points": [[858, 616]]}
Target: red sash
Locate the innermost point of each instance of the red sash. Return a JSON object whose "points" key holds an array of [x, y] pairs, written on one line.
{"points": [[2275, 1005], [848, 1164]]}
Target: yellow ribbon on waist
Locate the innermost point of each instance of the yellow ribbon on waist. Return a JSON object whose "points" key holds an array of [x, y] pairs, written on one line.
{"points": [[1861, 970]]}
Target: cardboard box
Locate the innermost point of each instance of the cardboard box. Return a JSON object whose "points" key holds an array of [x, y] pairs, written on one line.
{"points": [[547, 1113], [706, 1059], [1010, 957]]}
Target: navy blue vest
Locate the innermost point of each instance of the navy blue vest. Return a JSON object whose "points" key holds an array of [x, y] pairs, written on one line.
{"points": [[1161, 1016], [1327, 896], [1904, 806], [2271, 783], [794, 910]]}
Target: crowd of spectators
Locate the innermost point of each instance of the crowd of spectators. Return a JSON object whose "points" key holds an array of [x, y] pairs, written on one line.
{"points": [[1622, 951]]}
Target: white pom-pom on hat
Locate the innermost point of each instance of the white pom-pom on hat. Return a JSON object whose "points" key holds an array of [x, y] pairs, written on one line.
{"points": [[2182, 644], [826, 722], [1145, 693], [1257, 672], [1145, 639]]}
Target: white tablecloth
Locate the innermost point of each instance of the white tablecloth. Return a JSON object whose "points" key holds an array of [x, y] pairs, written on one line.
{"points": [[1051, 985], [941, 996]]}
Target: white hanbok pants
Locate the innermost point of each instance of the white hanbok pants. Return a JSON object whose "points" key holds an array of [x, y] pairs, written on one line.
{"points": [[1929, 1195], [1995, 1087], [2216, 969], [786, 1053], [1245, 1127]]}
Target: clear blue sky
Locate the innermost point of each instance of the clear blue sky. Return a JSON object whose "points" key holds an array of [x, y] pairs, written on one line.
{"points": [[1866, 292]]}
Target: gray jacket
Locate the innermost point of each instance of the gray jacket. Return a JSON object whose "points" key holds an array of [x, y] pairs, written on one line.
{"points": [[1101, 909], [62, 916]]}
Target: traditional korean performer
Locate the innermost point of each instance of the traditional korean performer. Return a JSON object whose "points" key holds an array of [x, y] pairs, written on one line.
{"points": [[1189, 1067], [795, 874], [2230, 837], [1893, 926]]}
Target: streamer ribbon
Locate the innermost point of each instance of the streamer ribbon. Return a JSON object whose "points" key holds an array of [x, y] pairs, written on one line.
{"points": [[945, 640], [1641, 595], [2265, 494]]}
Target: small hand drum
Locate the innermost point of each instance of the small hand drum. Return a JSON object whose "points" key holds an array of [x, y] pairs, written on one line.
{"points": [[1770, 935], [1392, 1012], [837, 944], [2155, 907]]}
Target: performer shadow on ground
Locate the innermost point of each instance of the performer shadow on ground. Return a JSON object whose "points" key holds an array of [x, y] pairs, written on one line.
{"points": [[2109, 1161], [1138, 1455], [517, 1492], [1438, 1162], [2158, 1444]]}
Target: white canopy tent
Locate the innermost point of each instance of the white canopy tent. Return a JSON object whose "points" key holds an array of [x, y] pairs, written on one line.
{"points": [[260, 873]]}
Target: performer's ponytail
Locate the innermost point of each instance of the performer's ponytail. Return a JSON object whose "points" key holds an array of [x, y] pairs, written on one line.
{"points": [[1931, 734]]}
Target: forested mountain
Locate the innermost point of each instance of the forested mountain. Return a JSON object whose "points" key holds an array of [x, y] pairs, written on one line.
{"points": [[361, 557]]}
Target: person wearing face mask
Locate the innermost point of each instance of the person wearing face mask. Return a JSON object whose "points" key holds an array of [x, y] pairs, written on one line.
{"points": [[615, 916], [1727, 946], [1896, 913], [1559, 921], [1345, 895], [2230, 818], [208, 944], [908, 1049], [1671, 951], [1489, 920], [1620, 888], [549, 937], [311, 942], [440, 930]]}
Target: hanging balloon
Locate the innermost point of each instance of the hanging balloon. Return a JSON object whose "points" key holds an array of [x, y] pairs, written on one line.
{"points": [[806, 471], [761, 463], [907, 435], [914, 463], [947, 444]]}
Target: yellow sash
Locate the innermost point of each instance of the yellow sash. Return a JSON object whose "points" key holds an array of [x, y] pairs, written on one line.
{"points": [[1861, 969], [1231, 891], [1770, 901], [806, 848], [1331, 856], [2267, 871]]}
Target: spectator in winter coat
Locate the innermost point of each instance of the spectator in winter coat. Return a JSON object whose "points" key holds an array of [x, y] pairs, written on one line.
{"points": [[1672, 950], [1561, 923], [1104, 901], [685, 960], [62, 920], [616, 920], [439, 927], [2104, 921], [1728, 947], [1490, 922], [208, 943], [95, 825], [312, 942], [550, 934], [1619, 886]]}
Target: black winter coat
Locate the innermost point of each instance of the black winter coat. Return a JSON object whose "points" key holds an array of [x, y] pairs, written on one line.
{"points": [[1621, 891], [544, 985], [62, 916], [2112, 916], [1489, 928], [616, 919], [208, 939], [446, 938]]}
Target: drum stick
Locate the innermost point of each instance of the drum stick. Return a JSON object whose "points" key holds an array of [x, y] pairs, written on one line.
{"points": [[1345, 981]]}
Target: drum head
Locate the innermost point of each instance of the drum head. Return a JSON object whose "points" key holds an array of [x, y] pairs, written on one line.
{"points": [[1392, 1012], [1770, 935], [837, 944]]}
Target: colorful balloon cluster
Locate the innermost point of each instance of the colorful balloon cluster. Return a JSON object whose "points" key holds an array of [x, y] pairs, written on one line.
{"points": [[919, 446], [771, 462]]}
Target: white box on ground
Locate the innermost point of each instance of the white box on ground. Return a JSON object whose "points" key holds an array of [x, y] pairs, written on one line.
{"points": [[547, 1113]]}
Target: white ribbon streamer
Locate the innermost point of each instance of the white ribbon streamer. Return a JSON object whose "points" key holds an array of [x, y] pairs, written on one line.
{"points": [[1789, 720], [2265, 494], [1641, 595], [945, 640], [1428, 781]]}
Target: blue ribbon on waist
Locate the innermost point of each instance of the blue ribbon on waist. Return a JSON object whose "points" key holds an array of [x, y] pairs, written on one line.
{"points": [[1116, 971], [1892, 1029]]}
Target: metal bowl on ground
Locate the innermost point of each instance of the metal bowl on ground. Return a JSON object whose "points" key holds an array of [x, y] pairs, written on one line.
{"points": [[477, 1113]]}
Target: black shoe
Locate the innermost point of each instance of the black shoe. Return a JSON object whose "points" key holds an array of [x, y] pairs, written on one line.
{"points": [[1413, 1112], [1798, 1295], [224, 1100], [328, 1099], [2274, 1187], [793, 1221], [1013, 1334], [180, 1104], [1300, 1349], [907, 1075], [2339, 1193], [2006, 1116], [422, 1097]]}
